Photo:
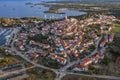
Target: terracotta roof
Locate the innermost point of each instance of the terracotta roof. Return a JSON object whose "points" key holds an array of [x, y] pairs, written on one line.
{"points": [[104, 41], [87, 60], [100, 54], [81, 66], [90, 41], [94, 35], [112, 36], [43, 53], [53, 55], [76, 54], [61, 59], [97, 56]]}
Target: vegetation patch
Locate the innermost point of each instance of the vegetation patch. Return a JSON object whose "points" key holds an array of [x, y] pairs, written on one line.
{"points": [[40, 74], [116, 29]]}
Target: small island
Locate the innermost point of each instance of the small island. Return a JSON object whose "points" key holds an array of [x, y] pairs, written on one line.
{"points": [[29, 3], [55, 11]]}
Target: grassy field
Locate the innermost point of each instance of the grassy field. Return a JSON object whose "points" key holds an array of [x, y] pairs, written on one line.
{"points": [[7, 58], [116, 29], [40, 74], [8, 61], [75, 77]]}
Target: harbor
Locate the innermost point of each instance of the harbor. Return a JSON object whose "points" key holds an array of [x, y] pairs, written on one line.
{"points": [[5, 35]]}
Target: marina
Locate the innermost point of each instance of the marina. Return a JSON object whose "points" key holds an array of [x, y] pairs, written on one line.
{"points": [[5, 34]]}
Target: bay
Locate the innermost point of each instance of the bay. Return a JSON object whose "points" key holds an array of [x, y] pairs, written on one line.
{"points": [[13, 9]]}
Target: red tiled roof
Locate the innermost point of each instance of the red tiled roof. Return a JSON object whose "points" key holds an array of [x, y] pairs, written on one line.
{"points": [[87, 60], [61, 59], [81, 66], [43, 53], [53, 55], [104, 41]]}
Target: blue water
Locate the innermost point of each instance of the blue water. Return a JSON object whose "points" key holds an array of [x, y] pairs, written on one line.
{"points": [[3, 34], [19, 9]]}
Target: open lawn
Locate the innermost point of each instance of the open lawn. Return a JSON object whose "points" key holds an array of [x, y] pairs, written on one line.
{"points": [[7, 58], [116, 29]]}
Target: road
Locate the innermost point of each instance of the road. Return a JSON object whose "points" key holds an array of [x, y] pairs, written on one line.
{"points": [[4, 74], [97, 76]]}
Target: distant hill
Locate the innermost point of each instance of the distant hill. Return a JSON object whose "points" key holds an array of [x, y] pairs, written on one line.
{"points": [[88, 0], [69, 0]]}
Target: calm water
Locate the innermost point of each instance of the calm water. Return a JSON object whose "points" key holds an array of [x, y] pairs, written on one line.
{"points": [[19, 9]]}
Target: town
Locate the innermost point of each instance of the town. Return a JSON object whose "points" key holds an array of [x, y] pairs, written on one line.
{"points": [[66, 40], [67, 44]]}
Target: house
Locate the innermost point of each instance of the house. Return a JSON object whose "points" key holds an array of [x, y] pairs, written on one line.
{"points": [[110, 28], [76, 53], [111, 37], [90, 42], [46, 46], [83, 66], [101, 56], [43, 54], [21, 47], [53, 56], [58, 58], [103, 43], [98, 57], [87, 61], [61, 60], [81, 49], [80, 67], [94, 36], [95, 59], [33, 55]]}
